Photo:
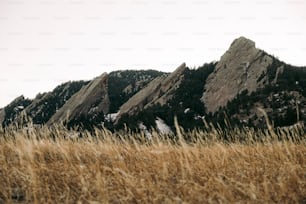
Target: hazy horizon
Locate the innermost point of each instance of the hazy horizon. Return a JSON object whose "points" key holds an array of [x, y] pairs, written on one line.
{"points": [[44, 43]]}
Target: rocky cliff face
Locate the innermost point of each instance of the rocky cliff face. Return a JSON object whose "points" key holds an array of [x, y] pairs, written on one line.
{"points": [[41, 108], [45, 105], [160, 90], [102, 95], [2, 116], [88, 102], [122, 85], [239, 69]]}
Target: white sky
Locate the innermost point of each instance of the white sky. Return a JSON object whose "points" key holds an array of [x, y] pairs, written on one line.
{"points": [[46, 42]]}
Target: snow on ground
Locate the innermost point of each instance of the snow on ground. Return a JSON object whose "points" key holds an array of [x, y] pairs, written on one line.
{"points": [[186, 110], [111, 117], [162, 127], [144, 128]]}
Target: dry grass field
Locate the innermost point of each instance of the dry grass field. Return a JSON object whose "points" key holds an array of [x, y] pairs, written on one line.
{"points": [[46, 165]]}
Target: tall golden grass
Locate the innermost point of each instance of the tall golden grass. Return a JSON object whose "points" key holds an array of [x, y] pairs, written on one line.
{"points": [[55, 165]]}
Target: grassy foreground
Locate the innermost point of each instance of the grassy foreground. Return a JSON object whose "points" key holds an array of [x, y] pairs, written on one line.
{"points": [[109, 169]]}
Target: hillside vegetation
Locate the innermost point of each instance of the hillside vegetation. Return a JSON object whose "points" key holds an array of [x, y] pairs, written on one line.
{"points": [[227, 93], [54, 165]]}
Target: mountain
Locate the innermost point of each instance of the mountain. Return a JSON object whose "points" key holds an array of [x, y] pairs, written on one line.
{"points": [[246, 79], [239, 69], [122, 85], [11, 113], [159, 91], [183, 99], [103, 95], [226, 93], [85, 105], [79, 102], [45, 105], [42, 107], [283, 98]]}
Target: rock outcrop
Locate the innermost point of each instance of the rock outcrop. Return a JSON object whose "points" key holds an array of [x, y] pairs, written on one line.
{"points": [[91, 99], [2, 116], [122, 85], [159, 90], [45, 105], [10, 114], [239, 69]]}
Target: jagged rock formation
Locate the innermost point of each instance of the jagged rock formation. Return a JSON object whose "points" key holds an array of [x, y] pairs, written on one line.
{"points": [[239, 69], [11, 112], [244, 79], [45, 105], [90, 100], [183, 102], [160, 90], [122, 85]]}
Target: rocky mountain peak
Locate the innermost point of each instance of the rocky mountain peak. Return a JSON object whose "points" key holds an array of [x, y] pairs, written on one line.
{"points": [[92, 98], [239, 69], [159, 90], [242, 42]]}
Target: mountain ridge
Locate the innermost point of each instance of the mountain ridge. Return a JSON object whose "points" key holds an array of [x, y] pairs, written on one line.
{"points": [[90, 97], [244, 79], [157, 91]]}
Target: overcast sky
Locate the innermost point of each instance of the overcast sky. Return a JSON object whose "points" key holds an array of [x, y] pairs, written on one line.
{"points": [[46, 42]]}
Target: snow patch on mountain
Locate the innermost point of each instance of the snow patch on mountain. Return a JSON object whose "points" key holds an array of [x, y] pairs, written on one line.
{"points": [[111, 117], [162, 127]]}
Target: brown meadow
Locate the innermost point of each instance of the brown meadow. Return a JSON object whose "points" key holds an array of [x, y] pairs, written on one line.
{"points": [[49, 165]]}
